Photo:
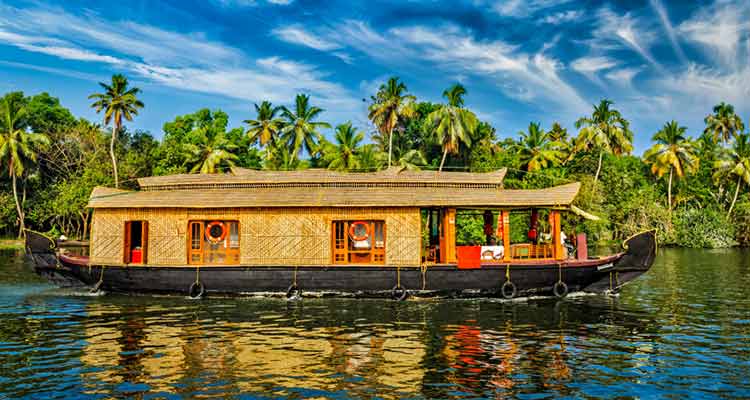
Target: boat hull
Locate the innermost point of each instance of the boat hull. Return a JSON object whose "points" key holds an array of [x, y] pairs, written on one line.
{"points": [[593, 275]]}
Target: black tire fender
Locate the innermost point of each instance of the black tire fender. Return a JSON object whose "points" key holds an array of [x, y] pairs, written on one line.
{"points": [[508, 290], [560, 289], [399, 293], [196, 290]]}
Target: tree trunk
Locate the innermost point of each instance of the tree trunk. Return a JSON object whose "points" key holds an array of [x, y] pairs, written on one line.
{"points": [[442, 161], [390, 147], [599, 167], [736, 192], [669, 190], [19, 209], [112, 154]]}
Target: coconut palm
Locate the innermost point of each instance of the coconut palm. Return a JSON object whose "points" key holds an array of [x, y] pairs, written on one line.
{"points": [[536, 150], [18, 147], [211, 154], [403, 155], [723, 124], [736, 162], [370, 159], [557, 133], [266, 126], [301, 129], [452, 123], [118, 101], [344, 155], [673, 153], [606, 131], [390, 107]]}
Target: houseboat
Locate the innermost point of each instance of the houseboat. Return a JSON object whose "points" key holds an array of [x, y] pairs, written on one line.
{"points": [[386, 233]]}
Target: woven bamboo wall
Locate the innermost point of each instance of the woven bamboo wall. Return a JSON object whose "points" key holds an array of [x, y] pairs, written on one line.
{"points": [[269, 236]]}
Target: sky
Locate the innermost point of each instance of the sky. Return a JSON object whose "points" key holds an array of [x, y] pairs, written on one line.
{"points": [[521, 61]]}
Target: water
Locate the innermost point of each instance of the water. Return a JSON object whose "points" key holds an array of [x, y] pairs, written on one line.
{"points": [[681, 331]]}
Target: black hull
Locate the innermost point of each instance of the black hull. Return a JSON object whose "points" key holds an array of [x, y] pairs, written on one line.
{"points": [[596, 275]]}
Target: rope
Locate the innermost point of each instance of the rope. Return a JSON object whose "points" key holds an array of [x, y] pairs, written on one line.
{"points": [[197, 275], [398, 276], [507, 272], [101, 276], [610, 281], [294, 277], [559, 272], [424, 276]]}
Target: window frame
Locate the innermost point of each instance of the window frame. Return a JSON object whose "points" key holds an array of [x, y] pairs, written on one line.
{"points": [[232, 250], [342, 251]]}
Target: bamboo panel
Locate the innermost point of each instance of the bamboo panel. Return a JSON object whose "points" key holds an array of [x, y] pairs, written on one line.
{"points": [[268, 236]]}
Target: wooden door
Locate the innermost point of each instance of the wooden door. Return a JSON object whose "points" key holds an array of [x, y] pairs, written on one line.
{"points": [[144, 242], [195, 243], [126, 243]]}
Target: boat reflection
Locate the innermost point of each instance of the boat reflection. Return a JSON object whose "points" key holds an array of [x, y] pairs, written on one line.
{"points": [[316, 348]]}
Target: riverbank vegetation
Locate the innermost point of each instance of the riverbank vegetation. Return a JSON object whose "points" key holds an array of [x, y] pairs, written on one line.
{"points": [[691, 186]]}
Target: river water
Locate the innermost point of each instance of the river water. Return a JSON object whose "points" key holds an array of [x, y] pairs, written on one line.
{"points": [[680, 331]]}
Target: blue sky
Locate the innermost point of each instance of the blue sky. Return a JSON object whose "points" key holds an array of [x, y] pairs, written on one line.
{"points": [[521, 61]]}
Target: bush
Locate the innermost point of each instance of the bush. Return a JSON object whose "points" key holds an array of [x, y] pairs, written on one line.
{"points": [[707, 228]]}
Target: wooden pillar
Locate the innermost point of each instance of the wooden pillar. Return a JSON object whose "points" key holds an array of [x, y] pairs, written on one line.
{"points": [[448, 237], [505, 215], [557, 248]]}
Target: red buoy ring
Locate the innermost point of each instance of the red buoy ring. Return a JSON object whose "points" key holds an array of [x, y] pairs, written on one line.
{"points": [[215, 235], [357, 225]]}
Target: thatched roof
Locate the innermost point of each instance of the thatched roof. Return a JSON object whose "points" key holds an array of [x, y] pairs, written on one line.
{"points": [[392, 177], [327, 196]]}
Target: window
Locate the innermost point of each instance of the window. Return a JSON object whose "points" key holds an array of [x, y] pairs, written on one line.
{"points": [[136, 242], [359, 242], [214, 242]]}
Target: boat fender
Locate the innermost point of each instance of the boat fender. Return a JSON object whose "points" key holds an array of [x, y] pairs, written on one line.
{"points": [[196, 290], [508, 290], [292, 291], [95, 289], [560, 289], [399, 293]]}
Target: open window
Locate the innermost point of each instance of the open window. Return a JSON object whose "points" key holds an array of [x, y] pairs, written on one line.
{"points": [[213, 242], [136, 242], [359, 242]]}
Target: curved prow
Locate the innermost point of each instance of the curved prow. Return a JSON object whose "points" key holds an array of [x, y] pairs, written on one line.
{"points": [[640, 252], [41, 249]]}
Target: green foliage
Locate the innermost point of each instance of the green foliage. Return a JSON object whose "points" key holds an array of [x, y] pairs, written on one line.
{"points": [[707, 228], [469, 230]]}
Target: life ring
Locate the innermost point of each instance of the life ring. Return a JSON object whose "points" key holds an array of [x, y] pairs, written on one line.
{"points": [[210, 232], [508, 290], [560, 289], [353, 231], [196, 290], [399, 293]]}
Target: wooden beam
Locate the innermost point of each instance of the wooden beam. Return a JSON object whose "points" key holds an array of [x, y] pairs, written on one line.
{"points": [[506, 234], [557, 249]]}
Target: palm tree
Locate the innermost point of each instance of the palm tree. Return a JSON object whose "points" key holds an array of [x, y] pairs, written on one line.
{"points": [[344, 155], [301, 130], [118, 102], [390, 107], [265, 128], [672, 152], [536, 149], [452, 123], [211, 154], [557, 133], [723, 124], [736, 162], [370, 158], [606, 130], [17, 147]]}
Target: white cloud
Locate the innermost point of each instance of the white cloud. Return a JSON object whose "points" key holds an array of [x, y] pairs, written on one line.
{"points": [[658, 6], [295, 34], [592, 64], [524, 8], [710, 86], [719, 29], [616, 30], [563, 17], [623, 76], [182, 61]]}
